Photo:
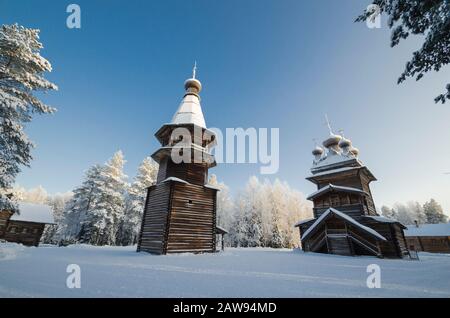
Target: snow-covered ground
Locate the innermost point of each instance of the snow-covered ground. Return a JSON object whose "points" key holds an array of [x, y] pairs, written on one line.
{"points": [[121, 272]]}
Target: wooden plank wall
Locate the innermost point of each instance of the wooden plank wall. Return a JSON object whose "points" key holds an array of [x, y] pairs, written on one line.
{"points": [[365, 186], [390, 248], [192, 219], [154, 223], [353, 210], [400, 240], [345, 179], [339, 245], [414, 243], [192, 173], [430, 244], [26, 233]]}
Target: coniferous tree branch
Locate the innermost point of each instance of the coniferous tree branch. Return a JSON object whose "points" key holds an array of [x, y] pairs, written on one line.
{"points": [[430, 18]]}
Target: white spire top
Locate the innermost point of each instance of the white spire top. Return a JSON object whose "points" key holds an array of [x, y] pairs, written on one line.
{"points": [[194, 70], [190, 110]]}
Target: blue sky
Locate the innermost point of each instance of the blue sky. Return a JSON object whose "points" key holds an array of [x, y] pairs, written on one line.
{"points": [[262, 63]]}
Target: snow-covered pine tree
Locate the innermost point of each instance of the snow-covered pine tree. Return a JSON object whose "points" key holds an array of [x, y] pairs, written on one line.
{"points": [[21, 75], [253, 198], [134, 202], [434, 213], [57, 202], [77, 208], [225, 207], [428, 18], [277, 197], [238, 229], [103, 219]]}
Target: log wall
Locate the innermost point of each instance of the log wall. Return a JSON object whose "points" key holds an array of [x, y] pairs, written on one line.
{"points": [[179, 218], [154, 222], [430, 244], [192, 219], [191, 172], [26, 233]]}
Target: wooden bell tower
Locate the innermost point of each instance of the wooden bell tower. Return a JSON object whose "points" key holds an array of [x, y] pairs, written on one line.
{"points": [[180, 210]]}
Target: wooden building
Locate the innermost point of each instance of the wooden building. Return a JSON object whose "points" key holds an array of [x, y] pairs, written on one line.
{"points": [[432, 238], [27, 226], [345, 220], [180, 210]]}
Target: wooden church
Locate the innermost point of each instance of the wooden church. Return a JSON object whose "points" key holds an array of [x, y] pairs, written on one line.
{"points": [[345, 220], [180, 209]]}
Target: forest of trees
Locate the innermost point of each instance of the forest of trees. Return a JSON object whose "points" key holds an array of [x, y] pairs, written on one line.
{"points": [[106, 210], [261, 215], [430, 212]]}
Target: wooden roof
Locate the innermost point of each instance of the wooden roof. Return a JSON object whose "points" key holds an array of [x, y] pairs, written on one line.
{"points": [[333, 212], [342, 171], [220, 230], [335, 188], [36, 213], [196, 152]]}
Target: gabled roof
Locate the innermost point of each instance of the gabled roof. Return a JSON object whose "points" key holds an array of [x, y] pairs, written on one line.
{"points": [[37, 213], [344, 216], [332, 187], [441, 229]]}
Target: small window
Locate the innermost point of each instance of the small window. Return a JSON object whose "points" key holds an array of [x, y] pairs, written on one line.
{"points": [[24, 230], [190, 201], [35, 231]]}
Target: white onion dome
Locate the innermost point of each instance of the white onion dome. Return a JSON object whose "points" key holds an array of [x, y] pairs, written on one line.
{"points": [[192, 85], [318, 151], [332, 140], [354, 151], [345, 143]]}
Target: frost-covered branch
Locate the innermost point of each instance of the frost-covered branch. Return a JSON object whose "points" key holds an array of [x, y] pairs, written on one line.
{"points": [[22, 71], [430, 18]]}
